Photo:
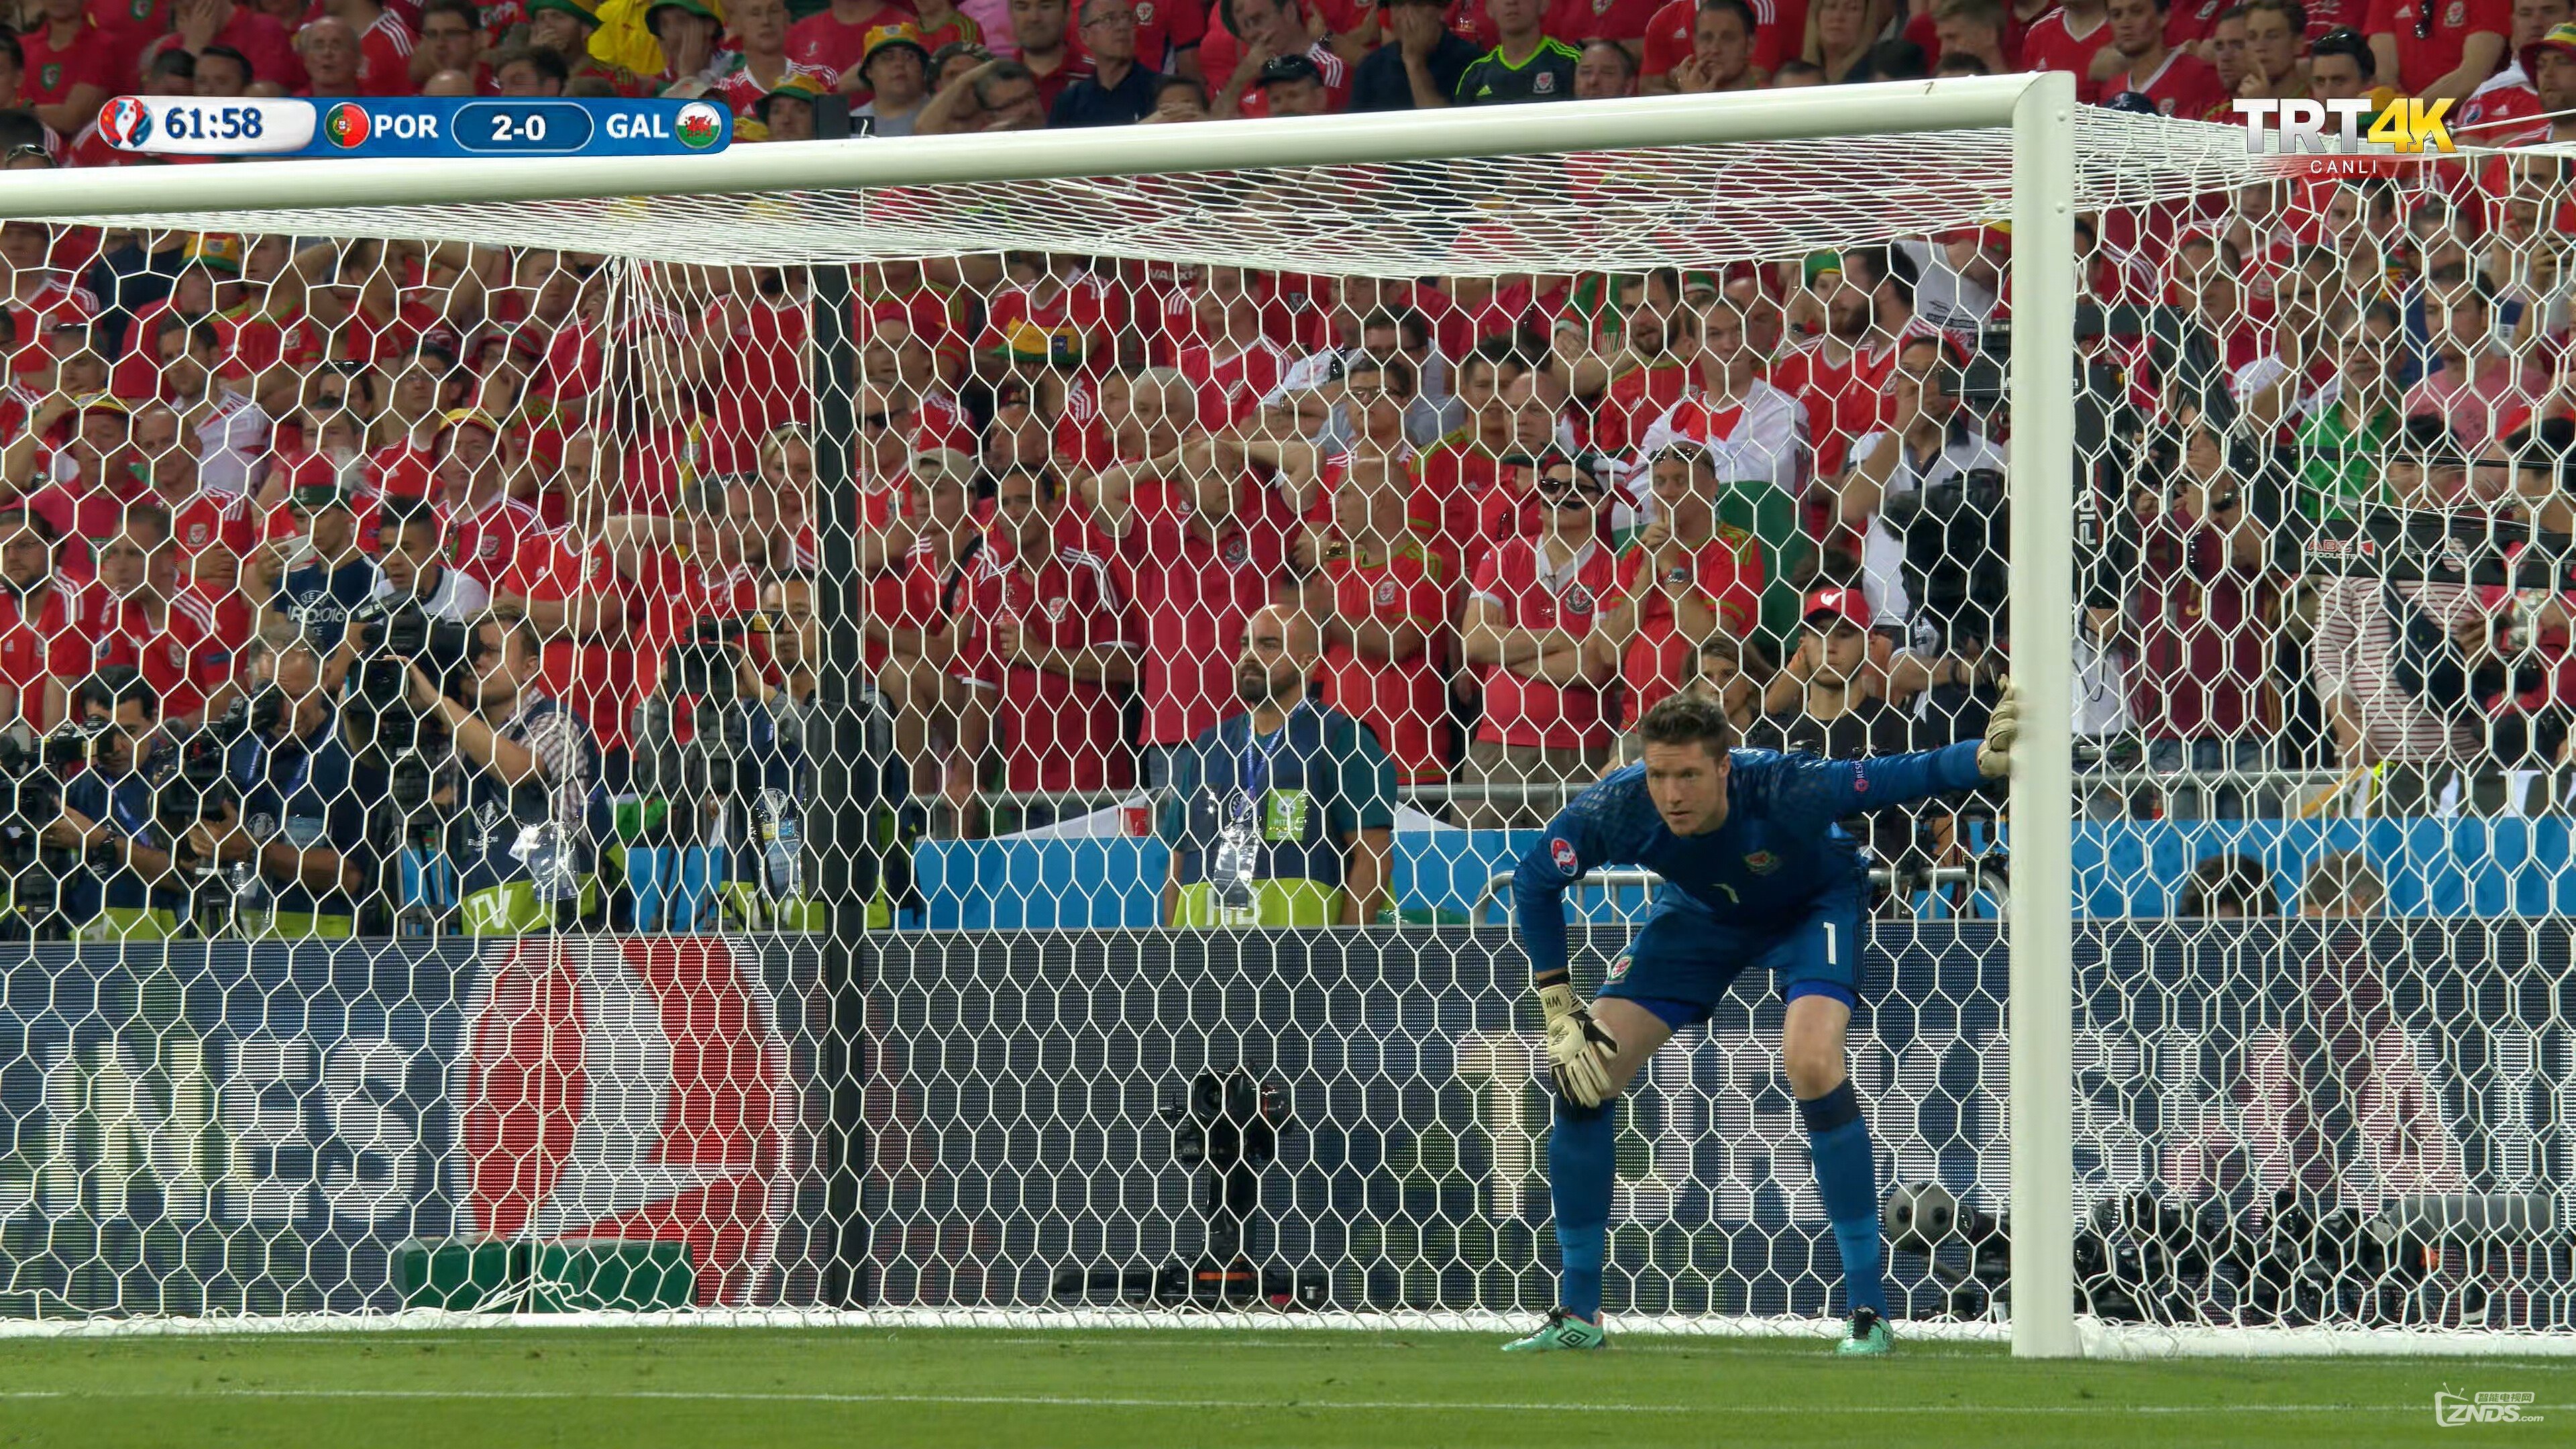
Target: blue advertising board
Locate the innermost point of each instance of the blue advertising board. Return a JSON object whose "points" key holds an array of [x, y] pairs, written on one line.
{"points": [[1019, 1078]]}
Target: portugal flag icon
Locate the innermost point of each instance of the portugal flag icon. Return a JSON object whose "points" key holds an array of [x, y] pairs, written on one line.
{"points": [[347, 125]]}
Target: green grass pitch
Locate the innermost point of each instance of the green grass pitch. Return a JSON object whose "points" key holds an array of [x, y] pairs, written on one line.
{"points": [[1136, 1389]]}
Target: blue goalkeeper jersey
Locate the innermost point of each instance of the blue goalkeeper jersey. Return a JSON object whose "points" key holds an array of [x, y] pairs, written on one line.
{"points": [[1778, 851]]}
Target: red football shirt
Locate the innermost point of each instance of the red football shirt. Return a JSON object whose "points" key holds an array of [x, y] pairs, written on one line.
{"points": [[51, 74], [2184, 86], [176, 647], [215, 520], [1727, 572], [1450, 478], [1231, 387], [759, 381], [1520, 710], [384, 58], [1056, 733], [1844, 401], [1191, 596], [1403, 701], [822, 42], [41, 646], [598, 681], [2437, 54], [2049, 45], [484, 543], [1633, 400], [1164, 28]]}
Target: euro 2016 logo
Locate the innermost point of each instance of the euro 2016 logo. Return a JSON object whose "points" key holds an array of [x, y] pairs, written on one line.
{"points": [[125, 123], [347, 125]]}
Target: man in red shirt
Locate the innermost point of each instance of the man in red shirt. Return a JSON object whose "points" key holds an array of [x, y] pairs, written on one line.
{"points": [[68, 71], [259, 36], [1530, 634], [1684, 578], [1384, 612], [1453, 476], [835, 39], [1779, 31], [486, 527], [1049, 646], [2069, 39], [1837, 375], [40, 650], [1658, 339], [1232, 358], [82, 490], [1044, 30], [140, 616], [1193, 574], [384, 46], [2438, 49], [2139, 59]]}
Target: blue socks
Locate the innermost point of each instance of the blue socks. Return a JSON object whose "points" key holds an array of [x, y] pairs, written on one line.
{"points": [[1847, 1179], [1581, 1162]]}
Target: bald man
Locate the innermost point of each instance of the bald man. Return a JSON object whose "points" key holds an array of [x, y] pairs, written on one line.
{"points": [[1282, 815]]}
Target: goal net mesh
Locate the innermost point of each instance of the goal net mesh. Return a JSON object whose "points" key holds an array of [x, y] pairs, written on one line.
{"points": [[438, 750]]}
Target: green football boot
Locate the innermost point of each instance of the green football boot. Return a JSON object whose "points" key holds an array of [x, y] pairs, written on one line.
{"points": [[1868, 1338], [1563, 1331]]}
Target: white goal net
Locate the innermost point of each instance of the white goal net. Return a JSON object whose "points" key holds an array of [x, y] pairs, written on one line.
{"points": [[680, 753]]}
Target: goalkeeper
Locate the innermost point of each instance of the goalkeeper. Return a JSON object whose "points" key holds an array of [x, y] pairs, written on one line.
{"points": [[1756, 874]]}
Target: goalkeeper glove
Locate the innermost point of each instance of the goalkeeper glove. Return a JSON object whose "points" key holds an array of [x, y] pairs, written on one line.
{"points": [[1578, 1050], [1994, 757]]}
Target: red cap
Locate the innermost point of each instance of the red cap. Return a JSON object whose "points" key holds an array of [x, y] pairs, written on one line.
{"points": [[1850, 604]]}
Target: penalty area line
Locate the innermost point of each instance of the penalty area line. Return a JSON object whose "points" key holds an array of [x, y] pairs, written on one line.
{"points": [[1075, 1401]]}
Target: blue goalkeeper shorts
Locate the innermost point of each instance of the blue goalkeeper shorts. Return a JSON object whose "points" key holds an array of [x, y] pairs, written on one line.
{"points": [[1683, 958]]}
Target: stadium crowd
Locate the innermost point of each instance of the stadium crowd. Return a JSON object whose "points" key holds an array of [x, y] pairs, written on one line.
{"points": [[1516, 510]]}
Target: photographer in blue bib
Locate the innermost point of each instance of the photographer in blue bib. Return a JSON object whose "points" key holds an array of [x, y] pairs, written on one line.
{"points": [[291, 846], [1283, 815], [523, 833], [131, 888]]}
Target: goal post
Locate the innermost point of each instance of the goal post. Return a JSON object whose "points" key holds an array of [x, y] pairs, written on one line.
{"points": [[946, 1131]]}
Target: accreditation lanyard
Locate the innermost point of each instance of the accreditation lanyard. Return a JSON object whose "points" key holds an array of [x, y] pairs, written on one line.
{"points": [[1254, 772]]}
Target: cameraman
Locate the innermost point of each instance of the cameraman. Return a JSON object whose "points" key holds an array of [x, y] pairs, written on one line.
{"points": [[1931, 441], [301, 821], [132, 890], [410, 569], [527, 762]]}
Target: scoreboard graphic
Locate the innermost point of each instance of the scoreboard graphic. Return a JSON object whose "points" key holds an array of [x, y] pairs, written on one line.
{"points": [[412, 128]]}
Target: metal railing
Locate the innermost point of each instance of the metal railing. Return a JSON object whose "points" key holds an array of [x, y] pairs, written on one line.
{"points": [[1981, 880], [2195, 792]]}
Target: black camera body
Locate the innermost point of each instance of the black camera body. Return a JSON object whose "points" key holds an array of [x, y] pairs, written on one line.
{"points": [[191, 779], [1956, 536], [394, 635], [31, 798], [703, 666]]}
